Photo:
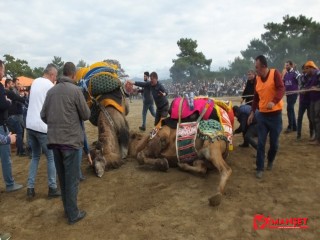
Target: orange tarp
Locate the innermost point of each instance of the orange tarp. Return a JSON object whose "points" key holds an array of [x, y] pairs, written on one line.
{"points": [[24, 81]]}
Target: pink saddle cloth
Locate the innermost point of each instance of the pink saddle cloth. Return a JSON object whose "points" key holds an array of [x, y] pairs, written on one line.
{"points": [[199, 105]]}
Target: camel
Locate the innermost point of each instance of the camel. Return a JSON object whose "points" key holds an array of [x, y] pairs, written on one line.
{"points": [[106, 98], [111, 149], [161, 152]]}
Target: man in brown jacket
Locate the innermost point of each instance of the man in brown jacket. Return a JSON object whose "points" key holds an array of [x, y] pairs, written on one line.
{"points": [[63, 111]]}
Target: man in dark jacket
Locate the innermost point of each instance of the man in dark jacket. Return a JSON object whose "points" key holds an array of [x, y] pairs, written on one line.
{"points": [[147, 102], [63, 111], [247, 95], [159, 94], [15, 118], [5, 149]]}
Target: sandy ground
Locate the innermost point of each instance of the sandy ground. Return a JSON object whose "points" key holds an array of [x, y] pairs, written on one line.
{"points": [[139, 203]]}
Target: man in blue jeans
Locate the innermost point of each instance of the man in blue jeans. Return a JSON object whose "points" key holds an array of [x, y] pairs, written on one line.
{"points": [[37, 132], [63, 111], [291, 84], [147, 102], [269, 90], [5, 151]]}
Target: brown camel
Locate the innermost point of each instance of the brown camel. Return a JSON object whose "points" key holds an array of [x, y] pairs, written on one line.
{"points": [[161, 152], [113, 139]]}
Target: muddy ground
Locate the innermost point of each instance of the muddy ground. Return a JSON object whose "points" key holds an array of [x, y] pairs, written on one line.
{"points": [[139, 203]]}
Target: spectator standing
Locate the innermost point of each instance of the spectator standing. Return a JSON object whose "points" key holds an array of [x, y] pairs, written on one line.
{"points": [[63, 111], [304, 104], [291, 84], [15, 119], [268, 94], [147, 102], [37, 132], [313, 75], [5, 151], [247, 95], [159, 94]]}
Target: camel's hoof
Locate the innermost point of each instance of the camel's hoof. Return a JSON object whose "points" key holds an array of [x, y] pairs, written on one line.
{"points": [[162, 164], [215, 200]]}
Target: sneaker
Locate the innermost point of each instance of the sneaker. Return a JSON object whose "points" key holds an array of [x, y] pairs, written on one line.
{"points": [[142, 128], [14, 187], [259, 174], [5, 236], [30, 193], [82, 178], [53, 193], [81, 215]]}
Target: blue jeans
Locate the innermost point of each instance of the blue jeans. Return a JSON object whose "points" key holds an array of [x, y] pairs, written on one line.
{"points": [[38, 142], [5, 155], [146, 107], [315, 117], [302, 108], [14, 123], [250, 134], [271, 125], [68, 165], [291, 101]]}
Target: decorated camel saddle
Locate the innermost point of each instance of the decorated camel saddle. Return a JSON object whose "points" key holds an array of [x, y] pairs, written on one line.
{"points": [[214, 122], [101, 87]]}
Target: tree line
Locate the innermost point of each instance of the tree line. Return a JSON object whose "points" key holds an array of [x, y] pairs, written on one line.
{"points": [[296, 39]]}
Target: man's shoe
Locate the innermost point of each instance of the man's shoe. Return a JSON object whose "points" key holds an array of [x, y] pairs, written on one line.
{"points": [[53, 193], [23, 154], [142, 128], [30, 192], [5, 236], [14, 187], [243, 145], [269, 166], [259, 174], [82, 178], [81, 215], [288, 131]]}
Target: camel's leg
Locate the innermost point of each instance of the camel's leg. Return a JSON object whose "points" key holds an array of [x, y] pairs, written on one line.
{"points": [[160, 163], [213, 153], [197, 167]]}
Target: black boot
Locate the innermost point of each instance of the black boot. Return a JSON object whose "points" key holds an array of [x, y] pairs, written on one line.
{"points": [[30, 192], [53, 192]]}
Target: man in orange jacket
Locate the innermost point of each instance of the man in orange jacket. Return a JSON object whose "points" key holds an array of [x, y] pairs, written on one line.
{"points": [[268, 94]]}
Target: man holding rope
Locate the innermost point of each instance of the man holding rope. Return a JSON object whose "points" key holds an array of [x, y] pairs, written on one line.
{"points": [[313, 75], [291, 84]]}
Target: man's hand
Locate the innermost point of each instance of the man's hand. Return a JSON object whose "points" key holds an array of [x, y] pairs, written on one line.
{"points": [[13, 138], [162, 93], [270, 105], [250, 118]]}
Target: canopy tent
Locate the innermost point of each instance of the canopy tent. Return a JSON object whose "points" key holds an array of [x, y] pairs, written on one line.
{"points": [[24, 81]]}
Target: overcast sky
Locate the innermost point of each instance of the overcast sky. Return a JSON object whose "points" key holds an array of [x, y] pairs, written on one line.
{"points": [[141, 35]]}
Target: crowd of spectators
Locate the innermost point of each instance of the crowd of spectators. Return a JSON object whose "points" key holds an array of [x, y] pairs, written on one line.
{"points": [[212, 88]]}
